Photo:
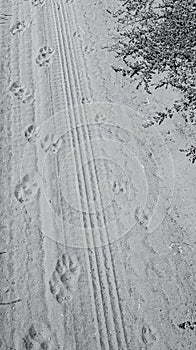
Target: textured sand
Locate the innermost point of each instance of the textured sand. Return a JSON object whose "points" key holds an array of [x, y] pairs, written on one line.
{"points": [[97, 231]]}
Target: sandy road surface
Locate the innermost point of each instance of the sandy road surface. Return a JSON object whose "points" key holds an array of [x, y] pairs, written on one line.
{"points": [[79, 267]]}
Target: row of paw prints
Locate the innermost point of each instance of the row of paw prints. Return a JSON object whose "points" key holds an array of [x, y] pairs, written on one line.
{"points": [[45, 53], [40, 337], [19, 90], [20, 26], [43, 59], [28, 186], [62, 285], [64, 279]]}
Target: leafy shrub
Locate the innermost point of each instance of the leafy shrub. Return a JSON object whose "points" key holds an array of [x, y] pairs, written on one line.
{"points": [[157, 38]]}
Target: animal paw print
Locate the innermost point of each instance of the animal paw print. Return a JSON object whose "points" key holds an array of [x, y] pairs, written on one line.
{"points": [[50, 145], [18, 27], [38, 2], [85, 100], [31, 134], [65, 278], [26, 190], [79, 33], [17, 89], [55, 146], [44, 56], [149, 334], [22, 93], [118, 187], [89, 47], [99, 118], [39, 337]]}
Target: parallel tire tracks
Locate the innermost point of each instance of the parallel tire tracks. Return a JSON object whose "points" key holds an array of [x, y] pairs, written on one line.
{"points": [[111, 293]]}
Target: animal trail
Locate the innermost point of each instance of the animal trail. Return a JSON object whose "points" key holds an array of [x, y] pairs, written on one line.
{"points": [[65, 278], [21, 92], [31, 133], [39, 337], [44, 56], [26, 190]]}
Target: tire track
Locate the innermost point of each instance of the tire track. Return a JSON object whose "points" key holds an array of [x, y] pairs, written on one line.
{"points": [[101, 261], [73, 126], [100, 76], [53, 104], [66, 91], [82, 71], [110, 281], [52, 109], [67, 107], [69, 68]]}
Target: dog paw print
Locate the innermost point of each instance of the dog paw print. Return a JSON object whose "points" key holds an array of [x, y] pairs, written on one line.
{"points": [[65, 278], [55, 146], [89, 47], [50, 145], [85, 100], [26, 190], [17, 89], [44, 56], [27, 97], [31, 133], [38, 2], [118, 187], [21, 92], [149, 335], [99, 118], [46, 141], [18, 27], [39, 337], [79, 33]]}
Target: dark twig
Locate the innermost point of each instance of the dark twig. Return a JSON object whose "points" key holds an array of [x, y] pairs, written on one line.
{"points": [[11, 302]]}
